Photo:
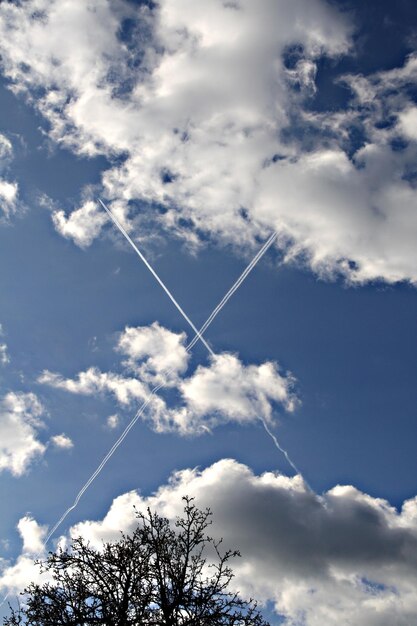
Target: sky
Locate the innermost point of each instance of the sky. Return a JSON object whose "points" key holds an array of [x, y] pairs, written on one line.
{"points": [[208, 129]]}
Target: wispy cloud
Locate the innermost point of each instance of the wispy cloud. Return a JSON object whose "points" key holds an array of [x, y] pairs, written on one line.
{"points": [[9, 190], [113, 421], [4, 355], [93, 382]]}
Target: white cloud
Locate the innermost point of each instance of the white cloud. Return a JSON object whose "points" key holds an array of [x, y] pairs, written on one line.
{"points": [[224, 390], [341, 558], [8, 197], [9, 190], [19, 424], [15, 577], [62, 441], [113, 421], [159, 351], [93, 381], [408, 122], [196, 103], [198, 121], [120, 517], [83, 225], [344, 214], [4, 356], [6, 148], [32, 535], [228, 391]]}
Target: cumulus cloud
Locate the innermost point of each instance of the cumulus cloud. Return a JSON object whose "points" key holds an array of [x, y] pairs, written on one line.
{"points": [[336, 558], [19, 425], [194, 104], [227, 390], [340, 558], [224, 390], [195, 101], [62, 441], [82, 225], [32, 535], [92, 382], [15, 577], [203, 108], [153, 351]]}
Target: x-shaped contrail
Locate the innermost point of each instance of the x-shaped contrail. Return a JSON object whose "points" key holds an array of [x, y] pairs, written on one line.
{"points": [[155, 275], [197, 337]]}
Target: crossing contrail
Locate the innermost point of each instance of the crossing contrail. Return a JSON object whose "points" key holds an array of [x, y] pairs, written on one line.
{"points": [[234, 288], [198, 337], [139, 413], [150, 268]]}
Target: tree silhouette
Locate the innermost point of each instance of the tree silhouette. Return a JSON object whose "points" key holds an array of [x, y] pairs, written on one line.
{"points": [[159, 575]]}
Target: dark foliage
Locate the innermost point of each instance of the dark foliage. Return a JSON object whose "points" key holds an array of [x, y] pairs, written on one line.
{"points": [[157, 576]]}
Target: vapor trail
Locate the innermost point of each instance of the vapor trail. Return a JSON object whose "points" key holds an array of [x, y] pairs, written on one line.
{"points": [[95, 474], [198, 336], [109, 454], [150, 268], [285, 453], [146, 402], [234, 288], [279, 447]]}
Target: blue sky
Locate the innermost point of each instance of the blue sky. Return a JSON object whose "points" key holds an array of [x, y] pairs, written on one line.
{"points": [[206, 128]]}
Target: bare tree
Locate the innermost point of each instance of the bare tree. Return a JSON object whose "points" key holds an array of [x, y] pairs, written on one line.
{"points": [[159, 575]]}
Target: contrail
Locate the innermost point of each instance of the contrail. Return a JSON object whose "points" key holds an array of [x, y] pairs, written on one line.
{"points": [[139, 413], [234, 288], [285, 453], [150, 268], [94, 475], [104, 461], [198, 336], [279, 447]]}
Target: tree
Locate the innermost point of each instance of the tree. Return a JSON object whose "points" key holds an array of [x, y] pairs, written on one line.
{"points": [[159, 575]]}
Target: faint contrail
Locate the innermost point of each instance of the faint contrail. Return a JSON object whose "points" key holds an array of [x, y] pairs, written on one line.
{"points": [[280, 448], [150, 268]]}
